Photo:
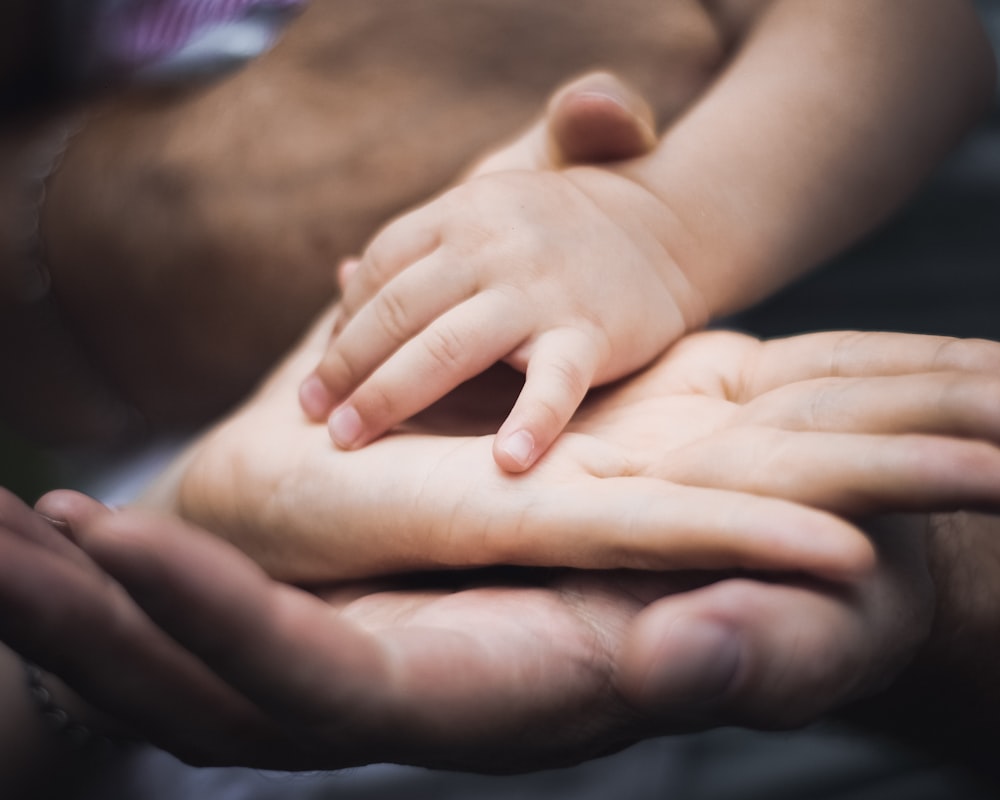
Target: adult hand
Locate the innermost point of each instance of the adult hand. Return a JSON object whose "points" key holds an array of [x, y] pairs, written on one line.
{"points": [[690, 465], [233, 667], [493, 672]]}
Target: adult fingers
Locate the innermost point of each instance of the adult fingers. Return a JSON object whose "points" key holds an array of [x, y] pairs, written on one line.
{"points": [[561, 369], [79, 624], [20, 520], [278, 645], [584, 506], [857, 474], [853, 354], [597, 118], [648, 524], [945, 403], [776, 655]]}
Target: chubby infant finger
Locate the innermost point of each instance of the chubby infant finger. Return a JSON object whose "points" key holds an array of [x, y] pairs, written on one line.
{"points": [[397, 313], [560, 371], [454, 348]]}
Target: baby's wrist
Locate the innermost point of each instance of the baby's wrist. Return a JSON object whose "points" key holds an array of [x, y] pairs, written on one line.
{"points": [[625, 197]]}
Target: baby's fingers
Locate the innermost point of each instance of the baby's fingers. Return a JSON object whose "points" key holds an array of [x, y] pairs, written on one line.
{"points": [[398, 313], [406, 240], [454, 348], [560, 372], [640, 523]]}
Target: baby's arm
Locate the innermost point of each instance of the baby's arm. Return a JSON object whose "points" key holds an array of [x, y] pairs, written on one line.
{"points": [[827, 116]]}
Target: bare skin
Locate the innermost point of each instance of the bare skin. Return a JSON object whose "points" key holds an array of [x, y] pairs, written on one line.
{"points": [[232, 187], [200, 626], [580, 276], [723, 428]]}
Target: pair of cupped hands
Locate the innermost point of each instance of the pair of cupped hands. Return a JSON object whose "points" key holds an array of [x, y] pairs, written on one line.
{"points": [[706, 544]]}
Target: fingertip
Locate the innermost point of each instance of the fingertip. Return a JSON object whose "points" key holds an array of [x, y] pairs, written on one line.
{"points": [[817, 542], [850, 554], [346, 270], [346, 427], [515, 452], [681, 663], [67, 510], [315, 398]]}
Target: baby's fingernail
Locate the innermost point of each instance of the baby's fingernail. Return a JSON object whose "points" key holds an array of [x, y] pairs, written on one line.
{"points": [[696, 664], [345, 426], [519, 446], [314, 397]]}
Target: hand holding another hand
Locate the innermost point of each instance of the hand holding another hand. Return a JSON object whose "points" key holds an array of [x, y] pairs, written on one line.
{"points": [[535, 259], [494, 672], [701, 462]]}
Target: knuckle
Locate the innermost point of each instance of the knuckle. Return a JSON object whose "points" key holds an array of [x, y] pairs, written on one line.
{"points": [[391, 313], [846, 349], [445, 346], [378, 256], [569, 379], [337, 370], [376, 403], [968, 354]]}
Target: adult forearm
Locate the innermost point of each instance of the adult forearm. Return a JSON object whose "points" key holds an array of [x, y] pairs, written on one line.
{"points": [[828, 115]]}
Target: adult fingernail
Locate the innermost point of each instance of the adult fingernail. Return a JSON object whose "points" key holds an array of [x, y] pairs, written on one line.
{"points": [[345, 426], [695, 663], [519, 446], [314, 397]]}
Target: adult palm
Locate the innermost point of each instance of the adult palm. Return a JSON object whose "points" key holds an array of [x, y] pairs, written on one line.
{"points": [[726, 453], [195, 648]]}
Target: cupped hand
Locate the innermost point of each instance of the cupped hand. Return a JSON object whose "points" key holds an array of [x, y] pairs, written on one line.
{"points": [[484, 672], [492, 671], [702, 462]]}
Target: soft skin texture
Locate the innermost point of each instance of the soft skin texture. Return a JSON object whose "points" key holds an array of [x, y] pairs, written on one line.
{"points": [[690, 465], [826, 118], [180, 216], [585, 662]]}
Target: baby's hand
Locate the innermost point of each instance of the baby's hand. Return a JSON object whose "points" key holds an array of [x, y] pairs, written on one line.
{"points": [[556, 273], [595, 118]]}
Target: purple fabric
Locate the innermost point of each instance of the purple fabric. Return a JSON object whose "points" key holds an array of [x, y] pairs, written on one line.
{"points": [[140, 31]]}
